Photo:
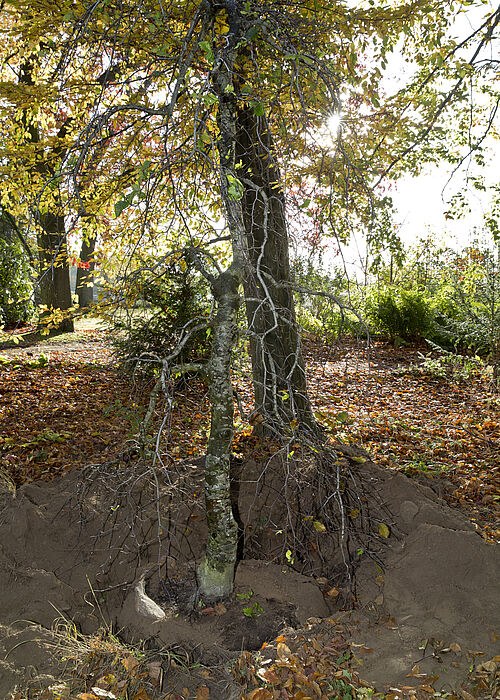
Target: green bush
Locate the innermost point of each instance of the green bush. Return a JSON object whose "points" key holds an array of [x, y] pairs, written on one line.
{"points": [[16, 305], [161, 309], [402, 313]]}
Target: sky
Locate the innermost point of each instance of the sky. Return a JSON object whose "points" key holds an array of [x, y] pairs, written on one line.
{"points": [[421, 202]]}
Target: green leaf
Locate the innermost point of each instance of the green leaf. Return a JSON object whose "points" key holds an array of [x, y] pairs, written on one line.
{"points": [[120, 206], [206, 47], [258, 109], [235, 189], [209, 99]]}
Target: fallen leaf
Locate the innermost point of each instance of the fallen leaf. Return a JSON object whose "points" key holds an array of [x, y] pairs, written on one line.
{"points": [[283, 652], [130, 663], [259, 694], [101, 693], [333, 592], [455, 647], [142, 695], [203, 693], [155, 672], [209, 610], [465, 695], [489, 666], [383, 530]]}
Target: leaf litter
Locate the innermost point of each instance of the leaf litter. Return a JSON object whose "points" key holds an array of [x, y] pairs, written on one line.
{"points": [[62, 413]]}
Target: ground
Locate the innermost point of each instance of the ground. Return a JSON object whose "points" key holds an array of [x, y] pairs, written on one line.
{"points": [[63, 407]]}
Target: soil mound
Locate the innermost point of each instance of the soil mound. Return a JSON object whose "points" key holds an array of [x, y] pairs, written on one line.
{"points": [[433, 611], [93, 545]]}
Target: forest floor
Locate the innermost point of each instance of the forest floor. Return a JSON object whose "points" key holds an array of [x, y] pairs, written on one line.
{"points": [[64, 405], [429, 421]]}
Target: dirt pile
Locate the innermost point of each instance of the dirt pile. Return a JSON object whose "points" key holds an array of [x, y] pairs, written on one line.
{"points": [[81, 547], [433, 610]]}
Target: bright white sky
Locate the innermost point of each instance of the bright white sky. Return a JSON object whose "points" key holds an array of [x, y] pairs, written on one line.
{"points": [[421, 203]]}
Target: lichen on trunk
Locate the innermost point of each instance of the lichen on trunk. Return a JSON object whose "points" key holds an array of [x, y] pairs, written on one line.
{"points": [[216, 571]]}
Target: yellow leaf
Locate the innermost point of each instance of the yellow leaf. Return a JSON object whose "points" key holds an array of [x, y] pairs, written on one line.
{"points": [[319, 526], [383, 530]]}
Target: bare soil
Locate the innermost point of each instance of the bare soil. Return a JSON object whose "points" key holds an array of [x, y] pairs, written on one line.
{"points": [[66, 550]]}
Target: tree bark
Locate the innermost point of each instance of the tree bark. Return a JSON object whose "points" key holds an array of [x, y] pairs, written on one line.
{"points": [[54, 283], [216, 571], [55, 290], [85, 275], [277, 363]]}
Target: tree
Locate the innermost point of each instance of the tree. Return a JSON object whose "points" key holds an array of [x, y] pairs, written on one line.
{"points": [[208, 110], [53, 282]]}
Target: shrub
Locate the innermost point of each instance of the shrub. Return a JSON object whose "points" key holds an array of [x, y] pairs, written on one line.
{"points": [[15, 282], [405, 314], [319, 314], [164, 307]]}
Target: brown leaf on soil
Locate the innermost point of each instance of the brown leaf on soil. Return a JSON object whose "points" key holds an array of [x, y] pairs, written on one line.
{"points": [[489, 666], [130, 663], [209, 610], [142, 695], [259, 694], [155, 672], [333, 592], [465, 695], [203, 693], [282, 651]]}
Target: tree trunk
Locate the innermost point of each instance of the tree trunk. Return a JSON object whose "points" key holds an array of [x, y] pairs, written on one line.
{"points": [[216, 571], [84, 274], [55, 290], [277, 364]]}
